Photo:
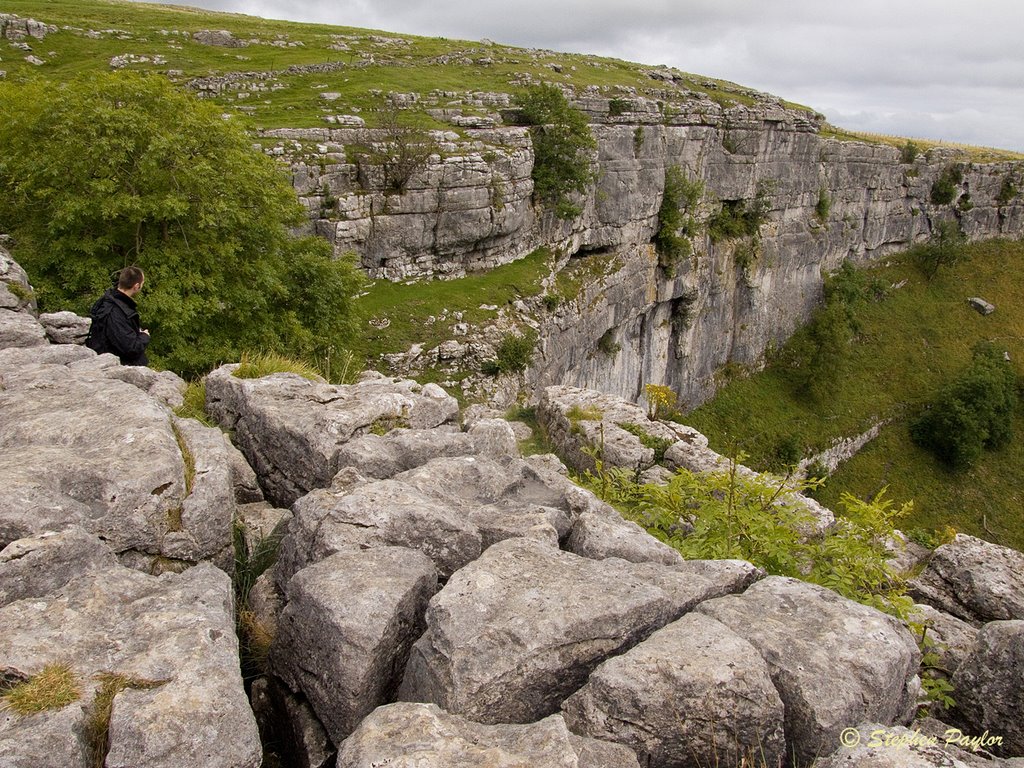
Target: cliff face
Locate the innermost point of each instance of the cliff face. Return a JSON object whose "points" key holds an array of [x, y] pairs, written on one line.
{"points": [[827, 201]]}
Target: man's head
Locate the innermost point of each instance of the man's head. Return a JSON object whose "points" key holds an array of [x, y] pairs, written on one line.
{"points": [[130, 281]]}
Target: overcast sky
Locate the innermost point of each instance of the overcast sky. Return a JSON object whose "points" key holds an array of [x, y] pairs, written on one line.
{"points": [[936, 69]]}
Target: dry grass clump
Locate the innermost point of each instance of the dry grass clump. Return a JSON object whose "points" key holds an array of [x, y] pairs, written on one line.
{"points": [[54, 687]]}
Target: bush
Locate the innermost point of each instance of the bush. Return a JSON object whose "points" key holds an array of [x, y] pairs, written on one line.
{"points": [[909, 152], [513, 354], [945, 187], [823, 206], [109, 170], [740, 218], [973, 413], [562, 143], [1008, 190], [727, 515], [675, 227]]}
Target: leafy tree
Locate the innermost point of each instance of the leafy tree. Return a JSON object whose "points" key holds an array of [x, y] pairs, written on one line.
{"points": [[973, 413], [109, 170], [944, 249], [562, 144]]}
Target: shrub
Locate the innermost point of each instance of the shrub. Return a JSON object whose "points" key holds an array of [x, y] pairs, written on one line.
{"points": [[740, 218], [909, 152], [661, 401], [676, 223], [945, 187], [562, 143], [727, 515], [513, 354], [973, 413], [823, 206], [607, 344], [1008, 190], [619, 107]]}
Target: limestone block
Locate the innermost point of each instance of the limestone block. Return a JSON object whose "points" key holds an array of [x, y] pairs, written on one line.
{"points": [[514, 633], [989, 687], [833, 661], [172, 642], [693, 694], [428, 737], [345, 634], [973, 580]]}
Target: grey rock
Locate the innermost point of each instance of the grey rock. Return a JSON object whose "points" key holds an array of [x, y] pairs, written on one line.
{"points": [[949, 637], [83, 449], [65, 327], [988, 687], [600, 536], [449, 508], [173, 636], [514, 633], [346, 631], [428, 737], [833, 661], [291, 429], [36, 566], [384, 456], [973, 580], [693, 694], [46, 740], [20, 329], [981, 306], [243, 477], [220, 37]]}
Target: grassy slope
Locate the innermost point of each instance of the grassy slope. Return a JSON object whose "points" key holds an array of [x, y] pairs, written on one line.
{"points": [[911, 343], [415, 64]]}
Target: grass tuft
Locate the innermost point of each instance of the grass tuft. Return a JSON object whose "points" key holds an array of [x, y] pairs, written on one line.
{"points": [[257, 364], [97, 725], [52, 688]]}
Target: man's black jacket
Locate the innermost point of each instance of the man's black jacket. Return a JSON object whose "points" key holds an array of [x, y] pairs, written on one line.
{"points": [[116, 328]]}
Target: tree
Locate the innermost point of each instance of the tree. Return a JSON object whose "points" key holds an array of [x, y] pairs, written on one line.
{"points": [[944, 249], [561, 145], [110, 170], [972, 413]]}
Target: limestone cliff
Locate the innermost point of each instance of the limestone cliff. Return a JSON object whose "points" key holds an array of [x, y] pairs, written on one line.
{"points": [[827, 201]]}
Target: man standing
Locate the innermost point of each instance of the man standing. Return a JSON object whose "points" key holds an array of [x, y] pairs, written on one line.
{"points": [[115, 321]]}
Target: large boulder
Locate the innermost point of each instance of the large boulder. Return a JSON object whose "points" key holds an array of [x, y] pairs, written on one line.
{"points": [[291, 429], [160, 652], [428, 737], [693, 694], [989, 687], [82, 447], [39, 565], [514, 633], [833, 661], [974, 580], [345, 635]]}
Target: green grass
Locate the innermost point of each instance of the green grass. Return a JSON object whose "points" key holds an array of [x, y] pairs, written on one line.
{"points": [[408, 308], [422, 64], [911, 343]]}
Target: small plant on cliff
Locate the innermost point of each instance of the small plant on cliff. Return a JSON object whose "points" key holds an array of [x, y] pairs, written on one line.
{"points": [[676, 223], [741, 218], [823, 206], [562, 143], [1008, 191], [944, 189], [909, 152], [108, 170], [399, 147], [513, 353]]}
